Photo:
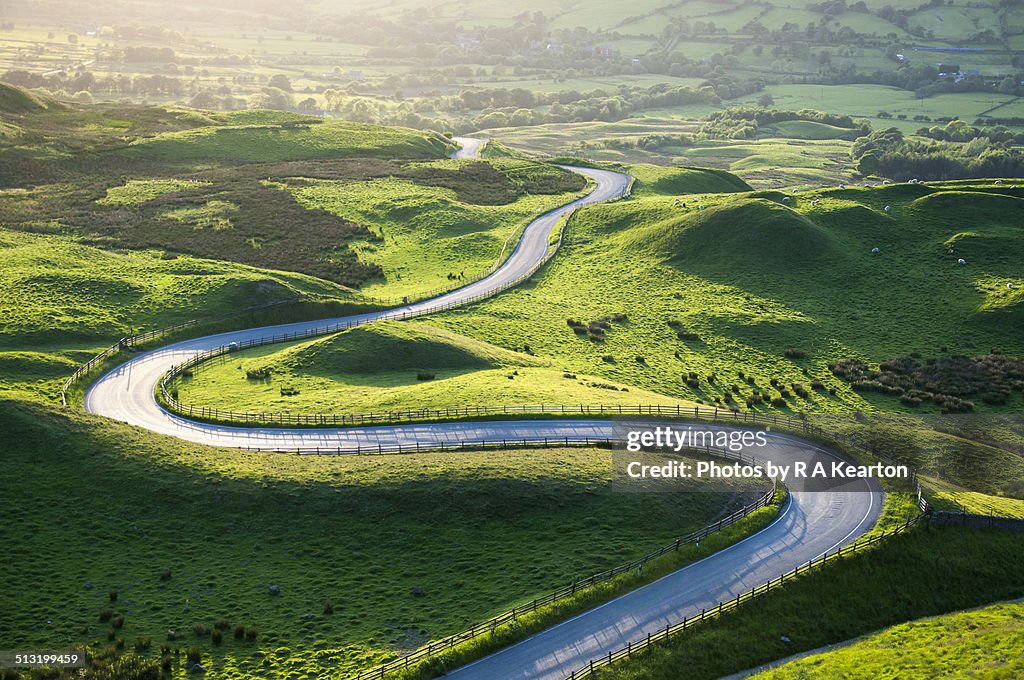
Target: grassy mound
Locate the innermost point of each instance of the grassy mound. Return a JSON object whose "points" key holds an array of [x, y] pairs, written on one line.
{"points": [[17, 100], [809, 129], [747, 233], [395, 345], [989, 205], [187, 537], [654, 179], [396, 366]]}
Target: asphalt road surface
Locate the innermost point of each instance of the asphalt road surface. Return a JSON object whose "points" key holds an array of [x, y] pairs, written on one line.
{"points": [[810, 524]]}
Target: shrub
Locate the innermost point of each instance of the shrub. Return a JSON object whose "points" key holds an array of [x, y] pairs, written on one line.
{"points": [[113, 596], [785, 394], [641, 360], [693, 382], [257, 374], [328, 609], [195, 655], [608, 359], [251, 633], [793, 353], [425, 376], [239, 632], [117, 623], [579, 330], [570, 376], [750, 380], [573, 323], [817, 385], [106, 615], [142, 644], [674, 323], [289, 391], [200, 630], [222, 624], [216, 637], [779, 402], [688, 335], [165, 575]]}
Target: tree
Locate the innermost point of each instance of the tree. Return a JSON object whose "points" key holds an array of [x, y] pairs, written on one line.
{"points": [[281, 82], [766, 100]]}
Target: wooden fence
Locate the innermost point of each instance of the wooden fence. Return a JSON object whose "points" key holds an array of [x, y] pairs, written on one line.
{"points": [[728, 605]]}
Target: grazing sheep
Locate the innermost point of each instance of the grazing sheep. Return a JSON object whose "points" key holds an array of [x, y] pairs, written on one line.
{"points": [[1010, 285], [785, 199], [961, 261], [700, 207], [888, 208], [876, 251]]}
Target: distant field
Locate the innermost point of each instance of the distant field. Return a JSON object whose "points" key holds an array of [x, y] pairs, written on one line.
{"points": [[804, 153], [170, 536]]}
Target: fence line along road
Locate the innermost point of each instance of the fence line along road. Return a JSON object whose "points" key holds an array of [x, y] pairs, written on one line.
{"points": [[137, 339], [577, 586], [728, 605]]}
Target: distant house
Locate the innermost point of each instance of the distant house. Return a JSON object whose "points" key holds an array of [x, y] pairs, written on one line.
{"points": [[949, 70], [355, 75]]}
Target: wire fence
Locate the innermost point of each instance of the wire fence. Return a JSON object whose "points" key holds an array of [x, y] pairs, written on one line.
{"points": [[670, 631], [577, 586]]}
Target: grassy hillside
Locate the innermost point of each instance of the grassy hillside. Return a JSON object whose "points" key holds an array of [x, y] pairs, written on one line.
{"points": [[164, 535], [774, 286], [925, 573], [394, 366], [979, 643], [346, 202]]}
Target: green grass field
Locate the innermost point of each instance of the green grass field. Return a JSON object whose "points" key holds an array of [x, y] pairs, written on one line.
{"points": [[924, 573], [978, 643], [343, 374], [61, 301], [188, 536], [751, 277]]}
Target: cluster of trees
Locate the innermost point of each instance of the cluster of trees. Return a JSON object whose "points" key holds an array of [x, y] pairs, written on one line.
{"points": [[743, 122], [889, 154], [85, 81], [960, 131]]}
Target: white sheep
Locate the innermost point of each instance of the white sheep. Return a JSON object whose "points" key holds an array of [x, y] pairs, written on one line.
{"points": [[961, 261], [888, 208], [876, 251]]}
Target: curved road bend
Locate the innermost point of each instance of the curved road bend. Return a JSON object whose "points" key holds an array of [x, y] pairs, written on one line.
{"points": [[812, 522]]}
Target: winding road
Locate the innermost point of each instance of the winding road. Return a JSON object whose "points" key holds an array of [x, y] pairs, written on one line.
{"points": [[811, 523]]}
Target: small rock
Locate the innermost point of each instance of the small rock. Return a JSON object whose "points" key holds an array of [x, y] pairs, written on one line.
{"points": [[306, 617], [274, 590], [418, 591], [197, 668]]}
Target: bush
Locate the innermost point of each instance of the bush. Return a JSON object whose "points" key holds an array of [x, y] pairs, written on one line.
{"points": [[688, 335], [113, 596], [817, 385], [793, 353], [200, 630], [216, 637], [222, 624], [641, 360], [106, 615], [142, 644], [779, 402], [194, 656], [165, 575], [257, 374], [117, 623], [251, 633], [289, 391], [425, 376], [239, 632], [608, 359], [693, 382]]}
